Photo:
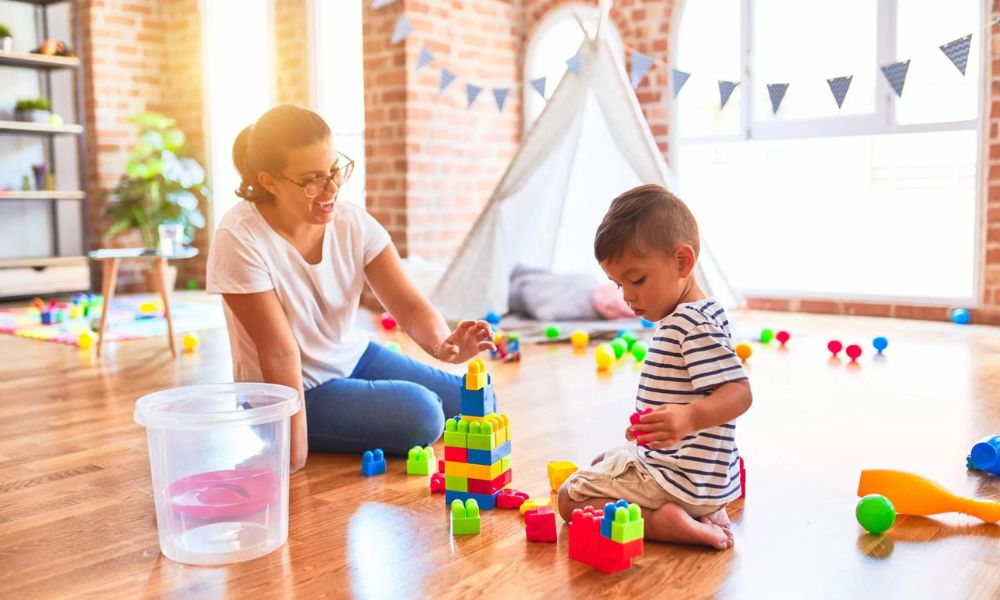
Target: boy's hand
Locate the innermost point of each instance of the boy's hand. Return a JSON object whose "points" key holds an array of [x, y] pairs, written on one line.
{"points": [[663, 427]]}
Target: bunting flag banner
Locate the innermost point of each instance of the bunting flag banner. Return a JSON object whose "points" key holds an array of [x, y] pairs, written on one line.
{"points": [[425, 58], [957, 52], [539, 85], [446, 78], [471, 92], [726, 90], [680, 78], [500, 95], [403, 29], [777, 93], [573, 64], [377, 4], [896, 74], [640, 66], [839, 87]]}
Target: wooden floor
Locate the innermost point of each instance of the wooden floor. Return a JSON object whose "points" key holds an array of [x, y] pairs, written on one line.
{"points": [[76, 511]]}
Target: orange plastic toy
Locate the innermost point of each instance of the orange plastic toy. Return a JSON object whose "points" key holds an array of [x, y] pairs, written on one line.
{"points": [[915, 495]]}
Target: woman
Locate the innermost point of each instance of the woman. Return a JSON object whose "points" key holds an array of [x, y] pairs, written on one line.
{"points": [[290, 263]]}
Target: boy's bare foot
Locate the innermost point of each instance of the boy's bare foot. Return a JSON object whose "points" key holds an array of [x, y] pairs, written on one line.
{"points": [[671, 523], [719, 517]]}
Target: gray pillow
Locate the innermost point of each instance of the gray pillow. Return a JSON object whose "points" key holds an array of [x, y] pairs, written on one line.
{"points": [[544, 296]]}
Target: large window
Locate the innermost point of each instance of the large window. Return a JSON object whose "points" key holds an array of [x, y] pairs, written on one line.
{"points": [[874, 199]]}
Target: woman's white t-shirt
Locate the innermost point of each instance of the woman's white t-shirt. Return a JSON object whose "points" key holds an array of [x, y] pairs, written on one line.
{"points": [[320, 301]]}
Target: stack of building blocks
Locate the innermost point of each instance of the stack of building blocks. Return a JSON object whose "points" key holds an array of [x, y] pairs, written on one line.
{"points": [[419, 460], [464, 517], [373, 463], [477, 444], [540, 524], [559, 471], [608, 539]]}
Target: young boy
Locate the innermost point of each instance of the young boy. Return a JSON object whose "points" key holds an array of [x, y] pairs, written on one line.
{"points": [[680, 464]]}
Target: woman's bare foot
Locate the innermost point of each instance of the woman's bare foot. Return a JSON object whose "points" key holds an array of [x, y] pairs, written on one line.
{"points": [[671, 523]]}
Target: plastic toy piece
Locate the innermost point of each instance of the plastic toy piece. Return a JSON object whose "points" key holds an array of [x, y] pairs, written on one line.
{"points": [[511, 498], [475, 378], [190, 342], [609, 516], [394, 346], [985, 455], [782, 337], [605, 356], [744, 351], [646, 324], [834, 347], [629, 338], [419, 460], [559, 471], [915, 495], [48, 317], [485, 457], [628, 524], [440, 466], [635, 419], [481, 436], [484, 501], [86, 339], [853, 352], [477, 401], [639, 350], [579, 339], [437, 483], [531, 503], [373, 463], [552, 332], [513, 348], [961, 316], [492, 318], [540, 524], [766, 335], [464, 517], [482, 486], [880, 344], [587, 545], [388, 323], [619, 346], [500, 342], [476, 471], [456, 434], [743, 479], [455, 454], [456, 484], [875, 513]]}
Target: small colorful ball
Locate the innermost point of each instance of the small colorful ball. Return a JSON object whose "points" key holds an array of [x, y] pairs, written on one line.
{"points": [[639, 350], [148, 308], [190, 341], [629, 339], [394, 346], [744, 351], [579, 339], [961, 316], [875, 513], [388, 323], [766, 335], [605, 357], [86, 340], [552, 332], [835, 347], [854, 352], [647, 324], [880, 344], [782, 337], [619, 346], [492, 318]]}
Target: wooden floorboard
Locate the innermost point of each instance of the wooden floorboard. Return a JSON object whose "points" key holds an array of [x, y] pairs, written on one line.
{"points": [[77, 519]]}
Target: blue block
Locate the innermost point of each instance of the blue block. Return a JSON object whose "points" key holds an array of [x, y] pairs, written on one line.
{"points": [[985, 454], [486, 502], [609, 516], [373, 463], [488, 457], [479, 403]]}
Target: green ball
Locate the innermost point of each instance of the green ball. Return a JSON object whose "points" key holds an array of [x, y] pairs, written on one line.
{"points": [[639, 350], [630, 340], [766, 335], [394, 346], [552, 332], [875, 513], [619, 346]]}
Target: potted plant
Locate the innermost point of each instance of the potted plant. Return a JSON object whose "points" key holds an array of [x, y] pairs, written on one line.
{"points": [[160, 185], [34, 110], [6, 39]]}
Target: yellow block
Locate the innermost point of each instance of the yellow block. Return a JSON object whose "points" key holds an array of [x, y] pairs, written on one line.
{"points": [[458, 469], [559, 471], [531, 503], [475, 377]]}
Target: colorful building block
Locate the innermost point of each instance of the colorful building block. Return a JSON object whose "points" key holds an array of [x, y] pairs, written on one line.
{"points": [[456, 454], [482, 486], [559, 471], [484, 501], [476, 471], [476, 375], [587, 545], [513, 348], [372, 463], [441, 466], [540, 524], [464, 517], [456, 433], [419, 460], [627, 525], [437, 483], [511, 498], [477, 397], [481, 436], [456, 484], [484, 457], [531, 503]]}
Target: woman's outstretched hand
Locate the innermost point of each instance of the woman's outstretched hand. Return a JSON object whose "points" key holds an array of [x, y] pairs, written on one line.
{"points": [[469, 339]]}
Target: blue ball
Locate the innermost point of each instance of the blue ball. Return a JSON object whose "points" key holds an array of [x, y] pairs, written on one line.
{"points": [[492, 318], [647, 324], [880, 344], [960, 316]]}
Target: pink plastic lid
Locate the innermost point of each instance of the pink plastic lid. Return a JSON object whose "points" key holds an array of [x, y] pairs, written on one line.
{"points": [[224, 494]]}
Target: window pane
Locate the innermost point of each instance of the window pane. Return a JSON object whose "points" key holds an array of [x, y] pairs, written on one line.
{"points": [[709, 49], [895, 217], [935, 90], [804, 44]]}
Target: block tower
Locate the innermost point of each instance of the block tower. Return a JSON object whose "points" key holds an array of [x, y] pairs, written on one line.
{"points": [[607, 539], [477, 443]]}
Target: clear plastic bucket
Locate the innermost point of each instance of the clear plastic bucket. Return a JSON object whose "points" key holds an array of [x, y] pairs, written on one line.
{"points": [[219, 460]]}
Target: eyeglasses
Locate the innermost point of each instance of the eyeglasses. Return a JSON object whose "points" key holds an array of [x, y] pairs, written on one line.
{"points": [[314, 187]]}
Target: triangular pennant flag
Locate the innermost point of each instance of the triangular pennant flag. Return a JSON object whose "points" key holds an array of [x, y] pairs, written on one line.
{"points": [[777, 93], [500, 95], [640, 66], [839, 87], [403, 29], [896, 74], [539, 85], [680, 78], [726, 90], [425, 58], [957, 52], [471, 92], [574, 63], [446, 78], [377, 4]]}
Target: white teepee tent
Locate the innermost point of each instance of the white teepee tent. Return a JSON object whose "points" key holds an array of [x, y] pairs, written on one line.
{"points": [[590, 144]]}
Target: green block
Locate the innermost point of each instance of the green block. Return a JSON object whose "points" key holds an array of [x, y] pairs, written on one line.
{"points": [[505, 464], [481, 436], [420, 461], [456, 433], [628, 525], [456, 484], [464, 518]]}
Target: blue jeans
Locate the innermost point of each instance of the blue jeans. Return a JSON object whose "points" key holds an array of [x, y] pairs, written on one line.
{"points": [[389, 401]]}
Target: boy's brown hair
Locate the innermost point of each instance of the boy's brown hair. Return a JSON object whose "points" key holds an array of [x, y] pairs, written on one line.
{"points": [[643, 219]]}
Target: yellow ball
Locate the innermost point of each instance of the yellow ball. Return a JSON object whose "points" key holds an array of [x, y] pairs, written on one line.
{"points": [[190, 341], [146, 308], [605, 357], [86, 340], [579, 339], [744, 351]]}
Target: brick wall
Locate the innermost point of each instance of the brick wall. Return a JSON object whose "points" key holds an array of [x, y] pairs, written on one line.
{"points": [[991, 212], [291, 48]]}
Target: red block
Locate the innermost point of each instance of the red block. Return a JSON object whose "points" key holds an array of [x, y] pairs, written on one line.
{"points": [[484, 486], [540, 524], [453, 454], [587, 545], [511, 499], [437, 483], [441, 464]]}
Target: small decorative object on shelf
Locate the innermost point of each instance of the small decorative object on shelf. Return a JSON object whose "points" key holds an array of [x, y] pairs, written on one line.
{"points": [[6, 39], [33, 110], [52, 47]]}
